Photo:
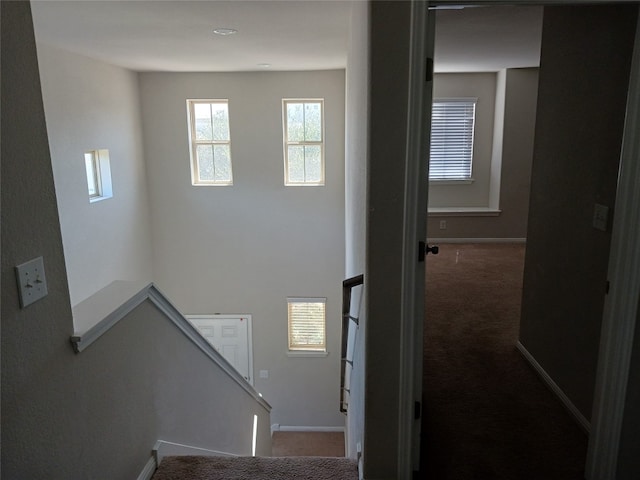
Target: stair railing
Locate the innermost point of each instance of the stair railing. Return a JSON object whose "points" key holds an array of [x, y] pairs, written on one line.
{"points": [[347, 287]]}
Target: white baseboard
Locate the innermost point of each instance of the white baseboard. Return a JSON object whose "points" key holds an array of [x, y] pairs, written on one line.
{"points": [[148, 470], [476, 240], [575, 413], [165, 449], [276, 427]]}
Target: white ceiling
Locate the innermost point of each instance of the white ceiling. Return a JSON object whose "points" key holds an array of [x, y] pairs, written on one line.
{"points": [[289, 35]]}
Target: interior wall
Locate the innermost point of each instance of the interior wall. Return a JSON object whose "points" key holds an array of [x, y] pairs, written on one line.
{"points": [[99, 413], [91, 105], [356, 212], [581, 110], [246, 248], [517, 153], [483, 87]]}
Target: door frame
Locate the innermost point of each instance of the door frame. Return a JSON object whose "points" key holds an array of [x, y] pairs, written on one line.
{"points": [[621, 307]]}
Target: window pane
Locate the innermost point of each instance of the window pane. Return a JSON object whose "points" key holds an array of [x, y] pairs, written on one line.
{"points": [[220, 121], [307, 326], [312, 122], [222, 155], [295, 122], [296, 163], [203, 126], [205, 162], [313, 163], [91, 167]]}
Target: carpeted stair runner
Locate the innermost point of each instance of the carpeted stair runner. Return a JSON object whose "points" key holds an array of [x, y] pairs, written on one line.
{"points": [[256, 468]]}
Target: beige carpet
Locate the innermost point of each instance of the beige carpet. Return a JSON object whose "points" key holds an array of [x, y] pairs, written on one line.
{"points": [[256, 468], [308, 444]]}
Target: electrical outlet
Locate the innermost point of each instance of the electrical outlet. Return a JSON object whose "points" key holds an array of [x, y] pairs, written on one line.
{"points": [[32, 282], [443, 224]]}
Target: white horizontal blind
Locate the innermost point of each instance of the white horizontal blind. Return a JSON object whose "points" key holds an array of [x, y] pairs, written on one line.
{"points": [[452, 126], [307, 324]]}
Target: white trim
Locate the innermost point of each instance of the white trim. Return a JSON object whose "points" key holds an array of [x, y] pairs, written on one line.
{"points": [[621, 304], [163, 449], [149, 469], [477, 240], [414, 224], [463, 212], [307, 353], [276, 427], [566, 402], [81, 341]]}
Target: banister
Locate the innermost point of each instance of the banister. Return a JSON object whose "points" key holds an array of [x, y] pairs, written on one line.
{"points": [[347, 287]]}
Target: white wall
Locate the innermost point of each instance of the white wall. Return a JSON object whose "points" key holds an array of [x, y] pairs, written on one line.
{"points": [[92, 105], [99, 413], [483, 87], [245, 248], [356, 211]]}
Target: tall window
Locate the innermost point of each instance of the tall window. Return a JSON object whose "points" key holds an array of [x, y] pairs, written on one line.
{"points": [[210, 145], [303, 141], [307, 324], [452, 126]]}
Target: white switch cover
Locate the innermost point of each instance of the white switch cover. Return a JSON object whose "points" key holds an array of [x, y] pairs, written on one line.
{"points": [[32, 283], [264, 373]]}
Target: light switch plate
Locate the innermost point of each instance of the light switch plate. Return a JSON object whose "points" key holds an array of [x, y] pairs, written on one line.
{"points": [[32, 282], [264, 373], [600, 217]]}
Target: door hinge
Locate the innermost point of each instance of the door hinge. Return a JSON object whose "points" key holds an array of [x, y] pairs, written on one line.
{"points": [[417, 410], [429, 72]]}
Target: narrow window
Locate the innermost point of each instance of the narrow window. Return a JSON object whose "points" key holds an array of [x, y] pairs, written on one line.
{"points": [[98, 170], [210, 142], [303, 141], [452, 130], [307, 324]]}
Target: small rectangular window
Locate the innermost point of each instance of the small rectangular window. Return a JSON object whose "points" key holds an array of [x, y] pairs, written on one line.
{"points": [[452, 132], [210, 142], [303, 125], [98, 170], [307, 324]]}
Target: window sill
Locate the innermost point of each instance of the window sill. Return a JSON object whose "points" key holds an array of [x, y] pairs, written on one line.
{"points": [[100, 198], [291, 353], [463, 212], [444, 183]]}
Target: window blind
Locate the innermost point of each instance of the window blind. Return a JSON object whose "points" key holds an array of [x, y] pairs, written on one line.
{"points": [[307, 324], [452, 126]]}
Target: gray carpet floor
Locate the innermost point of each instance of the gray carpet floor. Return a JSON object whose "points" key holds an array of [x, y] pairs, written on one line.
{"points": [[256, 468]]}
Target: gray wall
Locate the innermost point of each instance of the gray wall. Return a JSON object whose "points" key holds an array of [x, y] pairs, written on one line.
{"points": [[245, 248], [97, 414], [93, 105], [483, 87], [581, 109], [517, 153], [356, 211]]}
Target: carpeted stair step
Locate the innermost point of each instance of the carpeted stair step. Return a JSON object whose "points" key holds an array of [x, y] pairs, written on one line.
{"points": [[256, 468]]}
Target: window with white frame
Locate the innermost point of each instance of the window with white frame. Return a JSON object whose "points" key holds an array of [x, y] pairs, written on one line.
{"points": [[452, 131], [303, 141], [210, 142], [307, 331], [98, 170]]}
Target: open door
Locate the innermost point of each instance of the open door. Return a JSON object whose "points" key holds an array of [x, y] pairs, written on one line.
{"points": [[415, 235]]}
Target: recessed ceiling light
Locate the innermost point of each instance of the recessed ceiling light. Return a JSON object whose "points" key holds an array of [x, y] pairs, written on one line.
{"points": [[264, 65], [224, 31]]}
